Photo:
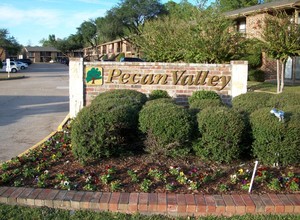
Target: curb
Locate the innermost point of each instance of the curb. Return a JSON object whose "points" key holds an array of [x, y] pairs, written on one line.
{"points": [[153, 203]]}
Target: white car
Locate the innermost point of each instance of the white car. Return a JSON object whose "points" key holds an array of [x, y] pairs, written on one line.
{"points": [[21, 65], [13, 67]]}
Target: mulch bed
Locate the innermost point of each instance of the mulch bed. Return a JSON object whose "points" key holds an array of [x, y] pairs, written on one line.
{"points": [[52, 165]]}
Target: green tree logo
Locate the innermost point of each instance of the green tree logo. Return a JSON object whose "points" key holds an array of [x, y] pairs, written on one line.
{"points": [[93, 74]]}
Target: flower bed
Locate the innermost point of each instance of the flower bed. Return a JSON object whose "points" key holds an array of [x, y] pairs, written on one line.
{"points": [[52, 165]]}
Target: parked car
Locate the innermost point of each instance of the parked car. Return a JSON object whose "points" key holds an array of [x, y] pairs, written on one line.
{"points": [[21, 65], [131, 59], [13, 67], [27, 61]]}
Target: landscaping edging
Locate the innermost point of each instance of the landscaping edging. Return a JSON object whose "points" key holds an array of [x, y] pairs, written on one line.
{"points": [[153, 203]]}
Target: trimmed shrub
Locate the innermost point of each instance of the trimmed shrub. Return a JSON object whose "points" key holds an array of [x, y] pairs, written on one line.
{"points": [[105, 127], [131, 96], [160, 100], [284, 99], [205, 103], [251, 101], [203, 94], [274, 141], [256, 75], [158, 94], [168, 128], [221, 132]]}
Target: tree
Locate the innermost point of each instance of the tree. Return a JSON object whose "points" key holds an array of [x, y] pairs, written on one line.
{"points": [[109, 28], [66, 45], [8, 43], [133, 13], [88, 31], [281, 40], [50, 42], [200, 36]]}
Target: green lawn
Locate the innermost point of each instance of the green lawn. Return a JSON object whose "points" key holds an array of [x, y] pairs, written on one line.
{"points": [[21, 212], [271, 87]]}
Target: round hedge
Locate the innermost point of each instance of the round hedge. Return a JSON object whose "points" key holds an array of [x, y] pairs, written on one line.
{"points": [[284, 99], [160, 100], [168, 128], [203, 94], [251, 101], [205, 103], [158, 94], [275, 141], [104, 128], [131, 96], [221, 131]]}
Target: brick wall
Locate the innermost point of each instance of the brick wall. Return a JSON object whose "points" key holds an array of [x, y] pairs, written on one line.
{"points": [[117, 76], [254, 25], [180, 80]]}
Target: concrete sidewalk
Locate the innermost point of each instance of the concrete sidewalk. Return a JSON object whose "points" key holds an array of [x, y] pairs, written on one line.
{"points": [[32, 107]]}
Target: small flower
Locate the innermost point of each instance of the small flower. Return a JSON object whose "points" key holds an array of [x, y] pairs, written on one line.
{"points": [[66, 183], [88, 179], [241, 171]]}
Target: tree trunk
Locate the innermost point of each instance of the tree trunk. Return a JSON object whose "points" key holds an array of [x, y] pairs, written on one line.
{"points": [[282, 75], [278, 76]]}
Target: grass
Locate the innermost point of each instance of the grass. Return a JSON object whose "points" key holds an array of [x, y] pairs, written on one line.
{"points": [[272, 87], [22, 212], [4, 76]]}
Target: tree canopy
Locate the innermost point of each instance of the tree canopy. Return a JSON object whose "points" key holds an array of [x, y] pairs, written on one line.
{"points": [[281, 41], [8, 43], [196, 36]]}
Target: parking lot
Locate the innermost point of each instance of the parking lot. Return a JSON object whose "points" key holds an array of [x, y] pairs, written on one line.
{"points": [[32, 107]]}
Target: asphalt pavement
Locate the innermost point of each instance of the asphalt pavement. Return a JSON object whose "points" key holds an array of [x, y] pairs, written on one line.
{"points": [[32, 107]]}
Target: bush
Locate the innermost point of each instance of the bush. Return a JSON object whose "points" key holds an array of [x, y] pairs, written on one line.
{"points": [[158, 94], [252, 53], [205, 103], [284, 99], [120, 56], [251, 101], [274, 141], [168, 128], [221, 132], [130, 96], [105, 127], [160, 101], [203, 94], [256, 75]]}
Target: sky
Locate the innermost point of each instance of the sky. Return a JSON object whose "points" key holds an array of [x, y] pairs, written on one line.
{"points": [[30, 21]]}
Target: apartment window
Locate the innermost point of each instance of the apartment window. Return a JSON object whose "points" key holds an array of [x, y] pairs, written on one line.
{"points": [[241, 26], [45, 53]]}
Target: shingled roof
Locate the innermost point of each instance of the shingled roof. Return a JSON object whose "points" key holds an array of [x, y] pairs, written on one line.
{"points": [[282, 4], [41, 49]]}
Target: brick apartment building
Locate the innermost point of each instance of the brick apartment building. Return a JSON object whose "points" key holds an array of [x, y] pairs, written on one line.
{"points": [[250, 21]]}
